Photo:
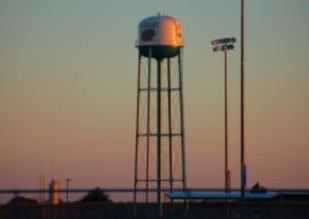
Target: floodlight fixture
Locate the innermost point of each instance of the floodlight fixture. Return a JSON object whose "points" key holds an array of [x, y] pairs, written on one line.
{"points": [[223, 48], [223, 41]]}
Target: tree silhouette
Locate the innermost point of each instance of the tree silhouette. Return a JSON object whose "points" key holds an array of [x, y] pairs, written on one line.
{"points": [[96, 195], [257, 188], [19, 200]]}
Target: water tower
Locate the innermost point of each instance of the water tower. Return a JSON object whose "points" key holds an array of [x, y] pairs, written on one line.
{"points": [[160, 145]]}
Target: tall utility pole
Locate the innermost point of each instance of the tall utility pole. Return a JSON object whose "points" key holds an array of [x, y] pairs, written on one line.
{"points": [[242, 106]]}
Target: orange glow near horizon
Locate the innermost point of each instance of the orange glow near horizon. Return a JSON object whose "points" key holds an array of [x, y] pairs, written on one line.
{"points": [[68, 87]]}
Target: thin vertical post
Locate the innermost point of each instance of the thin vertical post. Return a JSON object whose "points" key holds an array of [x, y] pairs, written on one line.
{"points": [[148, 127], [67, 189], [225, 120], [184, 181], [159, 159], [170, 127], [243, 168], [137, 125], [242, 106]]}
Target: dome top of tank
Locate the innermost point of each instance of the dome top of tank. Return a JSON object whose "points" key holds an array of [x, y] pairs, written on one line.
{"points": [[159, 36], [160, 30]]}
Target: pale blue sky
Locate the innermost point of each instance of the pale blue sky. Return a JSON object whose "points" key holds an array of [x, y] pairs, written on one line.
{"points": [[68, 73]]}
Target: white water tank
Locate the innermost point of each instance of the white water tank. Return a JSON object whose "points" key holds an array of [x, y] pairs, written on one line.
{"points": [[161, 34]]}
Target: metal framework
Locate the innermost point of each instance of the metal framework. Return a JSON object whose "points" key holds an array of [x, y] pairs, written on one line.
{"points": [[160, 144]]}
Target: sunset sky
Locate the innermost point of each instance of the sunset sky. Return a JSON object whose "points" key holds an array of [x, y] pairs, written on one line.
{"points": [[68, 89]]}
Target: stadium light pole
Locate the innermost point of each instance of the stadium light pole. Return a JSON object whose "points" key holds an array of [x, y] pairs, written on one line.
{"points": [[224, 45]]}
